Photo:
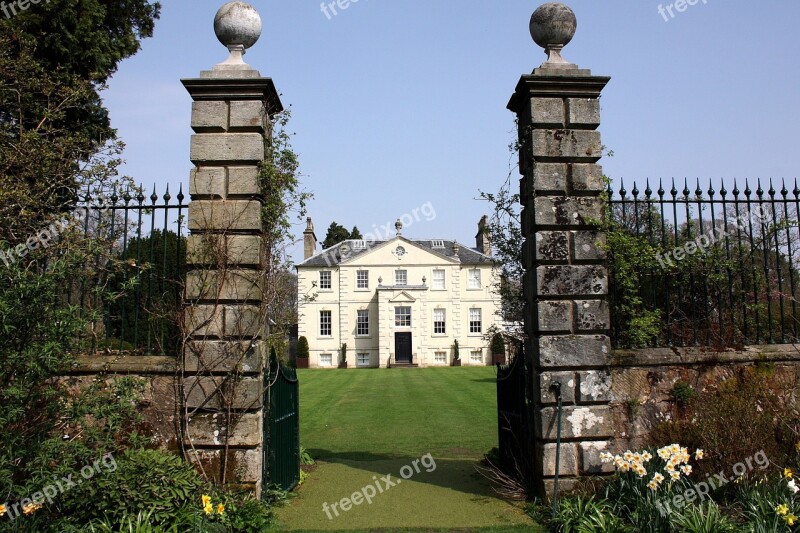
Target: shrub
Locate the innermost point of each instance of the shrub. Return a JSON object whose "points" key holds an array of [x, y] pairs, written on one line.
{"points": [[159, 483], [682, 393], [733, 420], [498, 345], [302, 348]]}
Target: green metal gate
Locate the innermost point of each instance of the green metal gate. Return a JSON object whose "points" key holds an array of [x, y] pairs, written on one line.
{"points": [[281, 426]]}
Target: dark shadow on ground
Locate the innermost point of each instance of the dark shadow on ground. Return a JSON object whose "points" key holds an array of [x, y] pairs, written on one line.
{"points": [[456, 474]]}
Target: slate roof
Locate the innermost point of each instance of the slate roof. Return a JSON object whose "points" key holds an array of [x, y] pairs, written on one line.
{"points": [[333, 255]]}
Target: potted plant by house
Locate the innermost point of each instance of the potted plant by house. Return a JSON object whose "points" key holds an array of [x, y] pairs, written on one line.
{"points": [[498, 347], [302, 352], [456, 356], [343, 356]]}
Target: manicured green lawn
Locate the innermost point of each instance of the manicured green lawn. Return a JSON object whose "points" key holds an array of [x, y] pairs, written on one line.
{"points": [[362, 425]]}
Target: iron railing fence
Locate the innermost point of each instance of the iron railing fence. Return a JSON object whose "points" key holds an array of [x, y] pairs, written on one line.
{"points": [[132, 295], [704, 267]]}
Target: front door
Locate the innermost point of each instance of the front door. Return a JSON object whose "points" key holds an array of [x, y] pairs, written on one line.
{"points": [[402, 348]]}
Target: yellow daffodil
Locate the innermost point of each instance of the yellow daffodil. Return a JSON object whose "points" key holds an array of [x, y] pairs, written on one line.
{"points": [[2, 509], [658, 478], [625, 467], [652, 485], [646, 457], [675, 449], [206, 500], [31, 508], [790, 519], [788, 473], [663, 453], [675, 475], [208, 509], [220, 509], [782, 509], [686, 469], [797, 446], [699, 454], [606, 457]]}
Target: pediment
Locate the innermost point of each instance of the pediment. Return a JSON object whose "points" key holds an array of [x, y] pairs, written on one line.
{"points": [[403, 298]]}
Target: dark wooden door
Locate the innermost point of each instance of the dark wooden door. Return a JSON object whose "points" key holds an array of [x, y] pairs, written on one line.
{"points": [[402, 348]]}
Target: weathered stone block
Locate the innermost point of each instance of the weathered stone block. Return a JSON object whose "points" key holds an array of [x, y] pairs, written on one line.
{"points": [[204, 321], [584, 112], [594, 386], [587, 178], [243, 321], [552, 246], [576, 422], [546, 113], [590, 458], [223, 250], [209, 116], [247, 115], [589, 246], [550, 177], [243, 181], [211, 429], [568, 384], [565, 485], [579, 146], [567, 210], [211, 215], [221, 392], [571, 280], [592, 315], [208, 357], [574, 351], [555, 316], [226, 147], [567, 462], [242, 466], [207, 182], [217, 286]]}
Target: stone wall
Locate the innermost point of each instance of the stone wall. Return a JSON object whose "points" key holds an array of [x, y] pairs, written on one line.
{"points": [[158, 405], [643, 380]]}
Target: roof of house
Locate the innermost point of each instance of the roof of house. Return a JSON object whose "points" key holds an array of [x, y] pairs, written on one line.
{"points": [[348, 250]]}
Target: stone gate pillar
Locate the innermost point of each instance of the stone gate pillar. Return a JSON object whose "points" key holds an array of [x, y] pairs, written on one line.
{"points": [[565, 283], [224, 355]]}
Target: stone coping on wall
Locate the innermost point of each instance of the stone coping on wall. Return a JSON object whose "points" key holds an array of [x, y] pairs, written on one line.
{"points": [[124, 364], [772, 353]]}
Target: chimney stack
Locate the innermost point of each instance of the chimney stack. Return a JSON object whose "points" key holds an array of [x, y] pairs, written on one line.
{"points": [[483, 240], [309, 240]]}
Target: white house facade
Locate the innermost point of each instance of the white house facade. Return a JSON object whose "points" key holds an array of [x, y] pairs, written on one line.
{"points": [[398, 302]]}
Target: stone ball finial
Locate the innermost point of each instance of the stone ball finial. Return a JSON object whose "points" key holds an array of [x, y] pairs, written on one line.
{"points": [[553, 26], [237, 24]]}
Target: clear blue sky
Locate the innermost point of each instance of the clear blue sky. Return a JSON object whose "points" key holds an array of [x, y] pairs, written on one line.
{"points": [[397, 104]]}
